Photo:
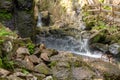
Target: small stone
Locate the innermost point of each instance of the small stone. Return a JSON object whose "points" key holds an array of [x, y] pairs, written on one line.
{"points": [[44, 56], [34, 59], [28, 64]]}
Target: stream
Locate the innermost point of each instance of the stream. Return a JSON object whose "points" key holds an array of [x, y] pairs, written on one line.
{"points": [[69, 43]]}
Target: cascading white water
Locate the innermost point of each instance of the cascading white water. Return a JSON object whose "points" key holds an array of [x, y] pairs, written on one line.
{"points": [[84, 50], [39, 21], [68, 43]]}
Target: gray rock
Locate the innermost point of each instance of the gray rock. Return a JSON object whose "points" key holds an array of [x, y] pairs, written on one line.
{"points": [[28, 64], [39, 76], [34, 59], [21, 51], [13, 77], [42, 68], [61, 74], [82, 74], [106, 68], [114, 48], [22, 76], [44, 56], [99, 46]]}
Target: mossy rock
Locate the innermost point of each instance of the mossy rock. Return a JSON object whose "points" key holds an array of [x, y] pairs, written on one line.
{"points": [[108, 70], [42, 68]]}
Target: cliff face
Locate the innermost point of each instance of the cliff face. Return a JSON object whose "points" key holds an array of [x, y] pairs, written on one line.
{"points": [[17, 15]]}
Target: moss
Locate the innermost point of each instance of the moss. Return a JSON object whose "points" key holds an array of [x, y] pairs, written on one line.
{"points": [[4, 15], [43, 70], [53, 63], [31, 47]]}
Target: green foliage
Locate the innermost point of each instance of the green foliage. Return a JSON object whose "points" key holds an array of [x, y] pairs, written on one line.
{"points": [[53, 63], [1, 41], [4, 15], [30, 47], [4, 32], [5, 63], [25, 71], [1, 63], [107, 7], [101, 25]]}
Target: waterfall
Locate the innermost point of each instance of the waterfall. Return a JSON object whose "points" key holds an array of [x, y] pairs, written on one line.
{"points": [[68, 43], [84, 49], [39, 22]]}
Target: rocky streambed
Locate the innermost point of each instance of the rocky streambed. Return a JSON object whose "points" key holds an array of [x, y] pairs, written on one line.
{"points": [[49, 64], [20, 59]]}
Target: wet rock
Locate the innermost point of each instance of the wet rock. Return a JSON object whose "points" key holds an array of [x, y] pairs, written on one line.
{"points": [[114, 48], [81, 73], [34, 59], [3, 72], [42, 68], [99, 47]]}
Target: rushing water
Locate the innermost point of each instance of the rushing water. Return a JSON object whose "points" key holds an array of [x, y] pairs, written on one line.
{"points": [[68, 43], [39, 22]]}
